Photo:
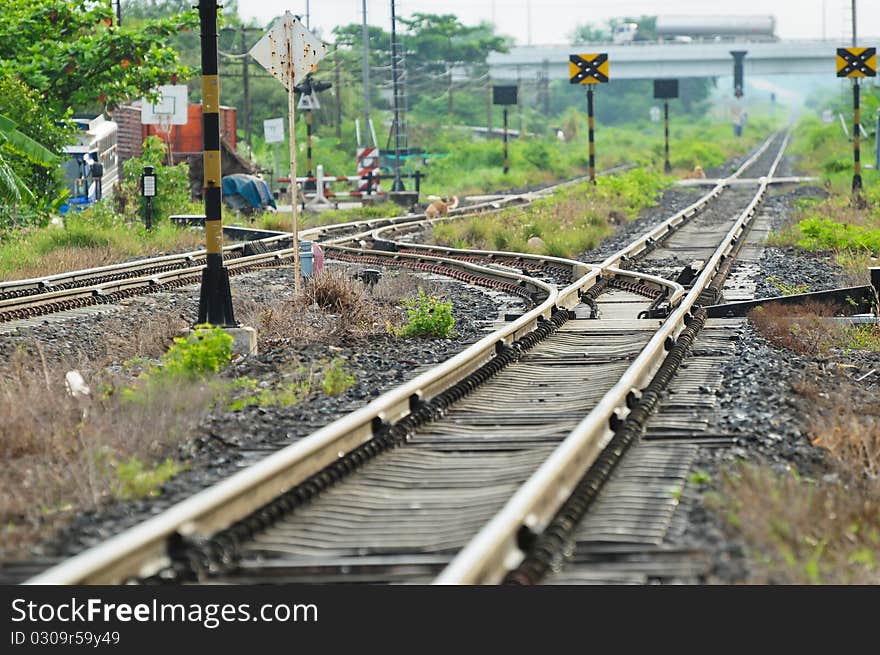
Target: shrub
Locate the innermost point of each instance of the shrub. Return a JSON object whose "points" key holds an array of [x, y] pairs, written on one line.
{"points": [[207, 349], [172, 182], [335, 379], [427, 316]]}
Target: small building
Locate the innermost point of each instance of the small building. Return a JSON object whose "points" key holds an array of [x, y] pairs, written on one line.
{"points": [[184, 141]]}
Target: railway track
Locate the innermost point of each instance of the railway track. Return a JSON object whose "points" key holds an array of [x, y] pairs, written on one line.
{"points": [[476, 470], [47, 294]]}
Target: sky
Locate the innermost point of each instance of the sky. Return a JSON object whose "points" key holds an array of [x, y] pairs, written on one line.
{"points": [[552, 21]]}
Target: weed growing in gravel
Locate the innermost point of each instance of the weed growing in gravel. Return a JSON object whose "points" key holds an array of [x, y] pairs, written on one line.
{"points": [[285, 395], [335, 378], [427, 316], [134, 479], [787, 289]]}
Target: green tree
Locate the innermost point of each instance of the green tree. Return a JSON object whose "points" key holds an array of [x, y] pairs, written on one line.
{"points": [[73, 54], [172, 181], [30, 141]]}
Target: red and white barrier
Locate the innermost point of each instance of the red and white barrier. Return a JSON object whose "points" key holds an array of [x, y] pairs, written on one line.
{"points": [[323, 193]]}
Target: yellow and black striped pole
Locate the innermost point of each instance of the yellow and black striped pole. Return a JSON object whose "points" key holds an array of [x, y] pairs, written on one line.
{"points": [[590, 124], [857, 155], [215, 300]]}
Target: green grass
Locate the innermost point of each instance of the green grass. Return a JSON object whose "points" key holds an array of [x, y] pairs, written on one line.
{"points": [[572, 220], [90, 238]]}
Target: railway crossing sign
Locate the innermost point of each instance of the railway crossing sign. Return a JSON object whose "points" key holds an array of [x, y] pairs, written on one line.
{"points": [[856, 62], [588, 68]]}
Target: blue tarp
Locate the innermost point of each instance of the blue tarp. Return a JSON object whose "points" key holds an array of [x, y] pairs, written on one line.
{"points": [[246, 192]]}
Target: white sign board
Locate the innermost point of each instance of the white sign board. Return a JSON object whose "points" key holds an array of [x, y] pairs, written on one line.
{"points": [[289, 51], [655, 114], [169, 109], [827, 116], [273, 130]]}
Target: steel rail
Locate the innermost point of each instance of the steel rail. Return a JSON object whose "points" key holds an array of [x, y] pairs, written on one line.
{"points": [[362, 228], [495, 549], [141, 550]]}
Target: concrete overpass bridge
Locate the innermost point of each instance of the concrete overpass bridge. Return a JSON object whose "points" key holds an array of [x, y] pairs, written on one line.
{"points": [[637, 60]]}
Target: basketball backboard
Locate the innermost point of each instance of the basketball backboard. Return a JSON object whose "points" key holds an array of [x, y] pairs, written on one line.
{"points": [[169, 109]]}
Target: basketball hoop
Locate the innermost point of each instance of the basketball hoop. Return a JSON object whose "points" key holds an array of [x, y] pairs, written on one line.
{"points": [[169, 110]]}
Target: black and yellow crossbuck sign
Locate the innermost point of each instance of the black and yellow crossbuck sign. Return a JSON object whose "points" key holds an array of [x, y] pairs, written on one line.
{"points": [[856, 62], [588, 69]]}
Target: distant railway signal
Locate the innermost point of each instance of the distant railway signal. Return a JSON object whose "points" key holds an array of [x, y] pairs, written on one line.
{"points": [[504, 95], [738, 82], [589, 69], [666, 90], [856, 62]]}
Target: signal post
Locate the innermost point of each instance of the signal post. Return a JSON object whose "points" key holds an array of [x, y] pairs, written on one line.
{"points": [[856, 63], [589, 69]]}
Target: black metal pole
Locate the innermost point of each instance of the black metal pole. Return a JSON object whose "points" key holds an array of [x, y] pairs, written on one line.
{"points": [[215, 298], [398, 183], [666, 167], [857, 164], [506, 159], [590, 124], [148, 212]]}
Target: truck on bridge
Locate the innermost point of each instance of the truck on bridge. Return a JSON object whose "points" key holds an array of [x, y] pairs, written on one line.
{"points": [[698, 28]]}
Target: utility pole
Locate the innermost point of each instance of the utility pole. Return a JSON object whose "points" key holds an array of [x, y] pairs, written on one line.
{"points": [[398, 183], [854, 24], [338, 96], [365, 37], [449, 103], [245, 111]]}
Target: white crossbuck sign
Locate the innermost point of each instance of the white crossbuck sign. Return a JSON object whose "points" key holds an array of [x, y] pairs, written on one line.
{"points": [[289, 51]]}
